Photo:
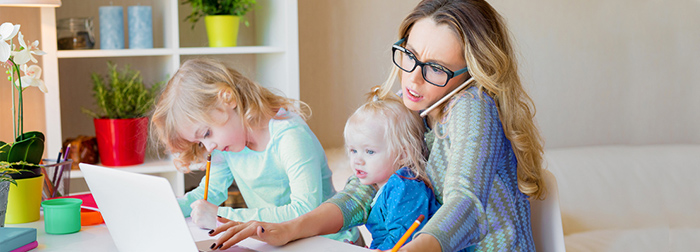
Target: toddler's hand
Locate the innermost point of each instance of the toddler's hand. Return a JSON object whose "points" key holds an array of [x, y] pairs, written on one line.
{"points": [[204, 214]]}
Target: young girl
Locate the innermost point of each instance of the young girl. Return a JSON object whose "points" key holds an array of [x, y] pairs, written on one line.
{"points": [[384, 141], [255, 137]]}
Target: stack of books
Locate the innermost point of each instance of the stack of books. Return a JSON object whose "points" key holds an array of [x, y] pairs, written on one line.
{"points": [[15, 239]]}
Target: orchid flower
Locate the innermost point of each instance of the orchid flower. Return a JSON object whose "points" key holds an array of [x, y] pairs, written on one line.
{"points": [[7, 32], [16, 59], [25, 53], [32, 77]]}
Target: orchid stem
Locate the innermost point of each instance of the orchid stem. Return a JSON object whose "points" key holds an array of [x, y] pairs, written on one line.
{"points": [[14, 110], [21, 102], [20, 111]]}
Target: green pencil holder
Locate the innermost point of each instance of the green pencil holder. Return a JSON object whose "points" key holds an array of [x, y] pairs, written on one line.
{"points": [[62, 216]]}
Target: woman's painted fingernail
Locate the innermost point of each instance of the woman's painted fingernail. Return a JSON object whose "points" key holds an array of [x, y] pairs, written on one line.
{"points": [[213, 245], [263, 229], [211, 231], [220, 245], [218, 216]]}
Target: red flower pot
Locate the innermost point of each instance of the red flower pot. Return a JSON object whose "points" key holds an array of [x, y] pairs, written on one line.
{"points": [[121, 142]]}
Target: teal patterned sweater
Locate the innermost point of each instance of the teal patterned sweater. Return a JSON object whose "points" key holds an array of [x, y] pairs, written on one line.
{"points": [[474, 173]]}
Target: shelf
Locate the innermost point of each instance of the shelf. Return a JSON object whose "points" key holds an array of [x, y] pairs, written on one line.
{"points": [[269, 55], [97, 53], [149, 167], [230, 50]]}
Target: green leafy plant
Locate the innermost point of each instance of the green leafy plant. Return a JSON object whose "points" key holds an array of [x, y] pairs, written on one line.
{"points": [[122, 95], [6, 170], [201, 8]]}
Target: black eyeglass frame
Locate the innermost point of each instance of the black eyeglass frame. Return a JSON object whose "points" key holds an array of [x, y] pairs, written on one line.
{"points": [[450, 73]]}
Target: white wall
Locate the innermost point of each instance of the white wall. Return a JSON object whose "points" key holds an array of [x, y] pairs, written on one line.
{"points": [[344, 50], [603, 72], [600, 72]]}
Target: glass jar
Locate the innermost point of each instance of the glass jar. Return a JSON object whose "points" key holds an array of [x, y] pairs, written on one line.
{"points": [[75, 33]]}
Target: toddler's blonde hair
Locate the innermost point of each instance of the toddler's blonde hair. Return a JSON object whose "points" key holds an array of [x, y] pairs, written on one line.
{"points": [[403, 130], [198, 88]]}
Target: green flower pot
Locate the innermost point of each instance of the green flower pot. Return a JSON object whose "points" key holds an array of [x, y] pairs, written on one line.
{"points": [[222, 30]]}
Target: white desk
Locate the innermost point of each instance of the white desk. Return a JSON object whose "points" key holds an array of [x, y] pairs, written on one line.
{"points": [[97, 238]]}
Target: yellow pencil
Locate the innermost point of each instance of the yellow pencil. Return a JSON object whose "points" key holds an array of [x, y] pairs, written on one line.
{"points": [[206, 180], [408, 233]]}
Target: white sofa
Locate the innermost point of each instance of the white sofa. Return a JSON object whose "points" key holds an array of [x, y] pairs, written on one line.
{"points": [[616, 198], [629, 198]]}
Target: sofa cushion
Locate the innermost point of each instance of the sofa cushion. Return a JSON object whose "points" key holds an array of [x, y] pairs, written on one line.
{"points": [[627, 187], [646, 239]]}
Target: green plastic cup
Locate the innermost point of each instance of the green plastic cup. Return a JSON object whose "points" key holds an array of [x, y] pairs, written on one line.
{"points": [[62, 216]]}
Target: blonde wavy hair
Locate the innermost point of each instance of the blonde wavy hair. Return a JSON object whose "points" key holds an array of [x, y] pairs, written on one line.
{"points": [[198, 88], [403, 130], [491, 60]]}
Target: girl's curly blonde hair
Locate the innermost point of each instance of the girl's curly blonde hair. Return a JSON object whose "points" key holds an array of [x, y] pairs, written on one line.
{"points": [[201, 86]]}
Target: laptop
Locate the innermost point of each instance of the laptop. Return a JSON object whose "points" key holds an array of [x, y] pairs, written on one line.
{"points": [[141, 212]]}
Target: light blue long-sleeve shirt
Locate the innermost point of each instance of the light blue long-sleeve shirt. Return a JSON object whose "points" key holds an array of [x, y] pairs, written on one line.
{"points": [[289, 178]]}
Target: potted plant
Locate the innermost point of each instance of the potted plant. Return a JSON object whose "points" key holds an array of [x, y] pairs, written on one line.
{"points": [[222, 18], [25, 153], [121, 125]]}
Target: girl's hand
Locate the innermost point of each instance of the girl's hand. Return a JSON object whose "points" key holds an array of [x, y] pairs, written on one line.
{"points": [[204, 214], [276, 234]]}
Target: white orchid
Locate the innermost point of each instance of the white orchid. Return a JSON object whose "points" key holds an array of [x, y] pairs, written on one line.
{"points": [[25, 53], [32, 78], [13, 57], [7, 32]]}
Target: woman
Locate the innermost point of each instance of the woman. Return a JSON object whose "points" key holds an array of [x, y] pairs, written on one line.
{"points": [[485, 151]]}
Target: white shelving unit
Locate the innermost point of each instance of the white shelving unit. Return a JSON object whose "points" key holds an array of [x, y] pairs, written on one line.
{"points": [[268, 53]]}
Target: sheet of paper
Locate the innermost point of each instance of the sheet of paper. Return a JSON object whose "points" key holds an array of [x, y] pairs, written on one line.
{"points": [[206, 246], [204, 241], [317, 243]]}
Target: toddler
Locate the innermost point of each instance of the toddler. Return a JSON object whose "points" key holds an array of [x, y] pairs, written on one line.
{"points": [[384, 141]]}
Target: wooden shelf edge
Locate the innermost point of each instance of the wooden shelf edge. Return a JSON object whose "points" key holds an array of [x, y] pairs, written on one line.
{"points": [[97, 53], [229, 50], [148, 167]]}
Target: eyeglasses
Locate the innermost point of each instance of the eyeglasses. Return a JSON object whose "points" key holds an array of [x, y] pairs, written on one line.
{"points": [[433, 73]]}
